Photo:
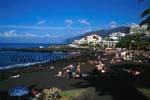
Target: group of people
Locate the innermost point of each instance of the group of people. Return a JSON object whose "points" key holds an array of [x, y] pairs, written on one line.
{"points": [[115, 60], [70, 71]]}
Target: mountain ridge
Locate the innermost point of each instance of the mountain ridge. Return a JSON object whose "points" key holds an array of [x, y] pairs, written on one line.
{"points": [[103, 33]]}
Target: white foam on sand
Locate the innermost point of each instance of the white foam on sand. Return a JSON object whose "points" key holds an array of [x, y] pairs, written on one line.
{"points": [[20, 65]]}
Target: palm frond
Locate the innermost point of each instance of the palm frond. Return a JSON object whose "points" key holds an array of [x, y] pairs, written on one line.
{"points": [[145, 12], [145, 21]]}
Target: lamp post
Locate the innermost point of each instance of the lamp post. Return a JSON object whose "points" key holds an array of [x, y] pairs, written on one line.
{"points": [[131, 44], [138, 39]]}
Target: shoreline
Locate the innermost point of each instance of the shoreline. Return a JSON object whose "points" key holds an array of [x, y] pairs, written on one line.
{"points": [[43, 71], [41, 76], [69, 57], [42, 66]]}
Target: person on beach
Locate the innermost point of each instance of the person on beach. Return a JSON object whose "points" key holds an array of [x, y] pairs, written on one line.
{"points": [[52, 67], [59, 74], [134, 72], [15, 76], [90, 61], [78, 71], [100, 67], [69, 70], [113, 61], [36, 93]]}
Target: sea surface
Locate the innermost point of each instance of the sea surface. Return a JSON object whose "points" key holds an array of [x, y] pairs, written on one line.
{"points": [[15, 59]]}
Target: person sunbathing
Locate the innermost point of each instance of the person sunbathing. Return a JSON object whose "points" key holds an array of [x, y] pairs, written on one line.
{"points": [[15, 76], [134, 72], [59, 74], [69, 70], [100, 67], [52, 67]]}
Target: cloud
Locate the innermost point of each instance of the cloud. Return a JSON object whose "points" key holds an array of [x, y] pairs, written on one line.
{"points": [[113, 24], [83, 21], [31, 35], [42, 27], [9, 34], [69, 22], [41, 22], [13, 34], [27, 34], [33, 27], [49, 36]]}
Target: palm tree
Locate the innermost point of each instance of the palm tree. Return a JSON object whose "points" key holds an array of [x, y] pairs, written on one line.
{"points": [[145, 21], [145, 16]]}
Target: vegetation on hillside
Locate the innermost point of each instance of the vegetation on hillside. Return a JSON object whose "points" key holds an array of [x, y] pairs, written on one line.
{"points": [[135, 41]]}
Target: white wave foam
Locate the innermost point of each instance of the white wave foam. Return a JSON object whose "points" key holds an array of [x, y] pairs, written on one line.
{"points": [[20, 65]]}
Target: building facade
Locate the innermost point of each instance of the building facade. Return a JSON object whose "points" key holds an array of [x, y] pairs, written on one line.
{"points": [[134, 29], [91, 39], [94, 40], [116, 36]]}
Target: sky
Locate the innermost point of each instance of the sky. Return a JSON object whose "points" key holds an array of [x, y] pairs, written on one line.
{"points": [[53, 21]]}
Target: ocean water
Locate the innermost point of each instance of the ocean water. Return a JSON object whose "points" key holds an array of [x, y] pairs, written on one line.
{"points": [[14, 59], [23, 45]]}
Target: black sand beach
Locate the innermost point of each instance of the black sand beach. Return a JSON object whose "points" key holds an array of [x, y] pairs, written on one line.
{"points": [[43, 77], [112, 85], [109, 86]]}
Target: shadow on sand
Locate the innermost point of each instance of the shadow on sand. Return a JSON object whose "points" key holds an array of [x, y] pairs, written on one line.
{"points": [[117, 84]]}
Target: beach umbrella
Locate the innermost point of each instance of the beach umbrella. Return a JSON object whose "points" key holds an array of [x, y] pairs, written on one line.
{"points": [[18, 91]]}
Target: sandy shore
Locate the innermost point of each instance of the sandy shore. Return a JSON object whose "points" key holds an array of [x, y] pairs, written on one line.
{"points": [[41, 77], [109, 86]]}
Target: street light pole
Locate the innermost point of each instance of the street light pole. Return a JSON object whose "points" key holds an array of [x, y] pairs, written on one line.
{"points": [[131, 44]]}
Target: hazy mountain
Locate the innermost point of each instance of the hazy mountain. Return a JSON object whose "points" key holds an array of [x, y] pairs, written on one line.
{"points": [[103, 33]]}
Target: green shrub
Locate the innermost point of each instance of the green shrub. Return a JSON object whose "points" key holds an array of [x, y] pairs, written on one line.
{"points": [[51, 94]]}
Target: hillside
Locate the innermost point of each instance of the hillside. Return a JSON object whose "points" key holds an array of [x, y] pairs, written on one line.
{"points": [[103, 33]]}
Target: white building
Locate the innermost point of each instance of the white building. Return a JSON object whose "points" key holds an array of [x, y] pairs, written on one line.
{"points": [[110, 44], [138, 29], [116, 36], [91, 39], [94, 39]]}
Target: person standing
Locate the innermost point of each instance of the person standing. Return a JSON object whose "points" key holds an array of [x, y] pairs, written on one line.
{"points": [[78, 70]]}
